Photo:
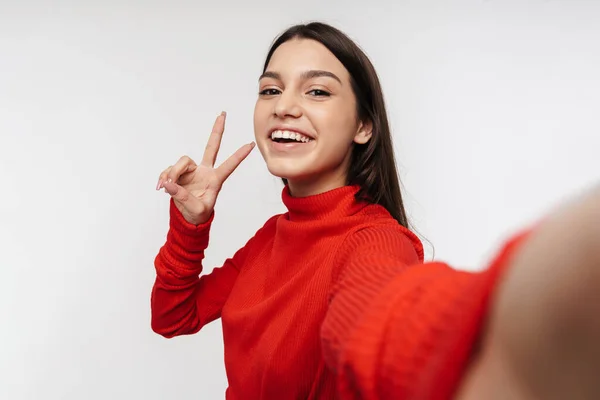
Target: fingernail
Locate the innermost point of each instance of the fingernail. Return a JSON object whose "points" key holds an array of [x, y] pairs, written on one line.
{"points": [[170, 180], [158, 184], [223, 113]]}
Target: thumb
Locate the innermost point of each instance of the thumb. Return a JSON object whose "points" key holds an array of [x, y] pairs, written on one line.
{"points": [[177, 192]]}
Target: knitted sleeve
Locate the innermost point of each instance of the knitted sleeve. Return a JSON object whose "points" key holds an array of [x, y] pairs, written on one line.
{"points": [[182, 302], [402, 329]]}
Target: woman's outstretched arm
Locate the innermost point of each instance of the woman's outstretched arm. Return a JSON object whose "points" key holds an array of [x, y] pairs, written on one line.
{"points": [[398, 328]]}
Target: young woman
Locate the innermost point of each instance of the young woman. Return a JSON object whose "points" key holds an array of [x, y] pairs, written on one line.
{"points": [[332, 299]]}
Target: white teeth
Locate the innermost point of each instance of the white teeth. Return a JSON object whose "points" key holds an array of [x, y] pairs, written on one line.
{"points": [[290, 135]]}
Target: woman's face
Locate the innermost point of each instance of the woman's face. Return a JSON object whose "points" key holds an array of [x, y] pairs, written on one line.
{"points": [[305, 118]]}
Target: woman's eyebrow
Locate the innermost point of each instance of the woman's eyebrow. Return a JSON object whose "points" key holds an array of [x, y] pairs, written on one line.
{"points": [[313, 73]]}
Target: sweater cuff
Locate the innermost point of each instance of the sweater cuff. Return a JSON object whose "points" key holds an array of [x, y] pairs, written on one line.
{"points": [[192, 236], [465, 321], [461, 322]]}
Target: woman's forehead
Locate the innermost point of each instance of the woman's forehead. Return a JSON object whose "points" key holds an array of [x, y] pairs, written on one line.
{"points": [[297, 56]]}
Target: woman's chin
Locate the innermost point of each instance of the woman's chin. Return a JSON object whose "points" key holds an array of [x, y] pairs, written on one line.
{"points": [[287, 173]]}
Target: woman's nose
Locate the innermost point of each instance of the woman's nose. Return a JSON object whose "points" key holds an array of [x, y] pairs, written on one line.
{"points": [[287, 105]]}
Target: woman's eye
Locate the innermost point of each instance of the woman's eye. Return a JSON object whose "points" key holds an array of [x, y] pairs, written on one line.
{"points": [[319, 93], [269, 92]]}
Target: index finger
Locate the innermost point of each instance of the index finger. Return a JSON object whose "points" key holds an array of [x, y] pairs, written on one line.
{"points": [[233, 161], [214, 141]]}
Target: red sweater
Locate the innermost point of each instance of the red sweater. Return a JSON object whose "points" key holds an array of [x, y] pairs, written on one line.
{"points": [[329, 299]]}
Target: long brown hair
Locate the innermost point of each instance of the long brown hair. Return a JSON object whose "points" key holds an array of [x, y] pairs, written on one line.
{"points": [[372, 165]]}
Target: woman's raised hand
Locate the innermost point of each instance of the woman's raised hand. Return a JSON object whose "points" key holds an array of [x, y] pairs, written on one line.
{"points": [[195, 187]]}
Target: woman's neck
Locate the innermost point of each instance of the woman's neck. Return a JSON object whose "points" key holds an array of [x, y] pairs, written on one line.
{"points": [[311, 187]]}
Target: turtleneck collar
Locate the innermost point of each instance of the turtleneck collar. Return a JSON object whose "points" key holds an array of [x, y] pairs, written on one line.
{"points": [[335, 203]]}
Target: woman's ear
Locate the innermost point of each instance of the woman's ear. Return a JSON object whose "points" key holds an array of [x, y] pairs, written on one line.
{"points": [[365, 131]]}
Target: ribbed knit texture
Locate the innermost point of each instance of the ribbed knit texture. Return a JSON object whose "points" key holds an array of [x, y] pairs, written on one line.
{"points": [[329, 300]]}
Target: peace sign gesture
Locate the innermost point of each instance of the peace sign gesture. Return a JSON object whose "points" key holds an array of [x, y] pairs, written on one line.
{"points": [[195, 187]]}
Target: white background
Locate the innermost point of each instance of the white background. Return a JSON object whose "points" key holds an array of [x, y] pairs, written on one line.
{"points": [[494, 107]]}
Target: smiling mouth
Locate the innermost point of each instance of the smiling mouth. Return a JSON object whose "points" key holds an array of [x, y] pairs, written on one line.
{"points": [[283, 136]]}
